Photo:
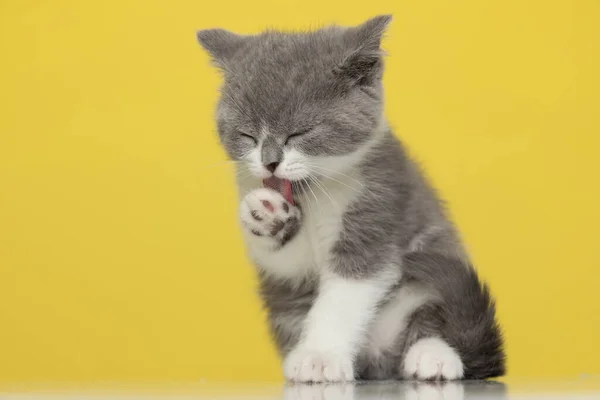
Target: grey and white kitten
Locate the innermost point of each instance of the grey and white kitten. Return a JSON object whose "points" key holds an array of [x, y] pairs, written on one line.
{"points": [[362, 274]]}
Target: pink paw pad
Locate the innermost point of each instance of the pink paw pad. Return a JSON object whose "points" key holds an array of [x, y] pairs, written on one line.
{"points": [[268, 205]]}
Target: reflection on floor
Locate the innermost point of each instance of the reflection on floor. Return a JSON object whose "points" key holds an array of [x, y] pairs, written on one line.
{"points": [[423, 391], [573, 390], [395, 390]]}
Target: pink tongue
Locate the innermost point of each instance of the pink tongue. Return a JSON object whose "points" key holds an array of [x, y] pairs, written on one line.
{"points": [[283, 186]]}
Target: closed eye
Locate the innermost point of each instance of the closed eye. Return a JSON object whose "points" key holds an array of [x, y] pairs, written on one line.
{"points": [[245, 135], [297, 134]]}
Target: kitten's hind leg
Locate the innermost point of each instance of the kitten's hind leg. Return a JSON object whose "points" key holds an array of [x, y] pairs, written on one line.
{"points": [[432, 359], [457, 336], [268, 218]]}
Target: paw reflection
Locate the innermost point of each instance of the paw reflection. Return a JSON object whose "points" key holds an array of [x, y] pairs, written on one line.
{"points": [[376, 390], [435, 391], [403, 390], [319, 391]]}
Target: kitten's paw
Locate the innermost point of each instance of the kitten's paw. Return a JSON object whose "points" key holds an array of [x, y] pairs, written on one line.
{"points": [[313, 366], [432, 359], [266, 213]]}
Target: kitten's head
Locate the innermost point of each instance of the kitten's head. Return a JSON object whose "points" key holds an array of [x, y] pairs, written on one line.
{"points": [[299, 104]]}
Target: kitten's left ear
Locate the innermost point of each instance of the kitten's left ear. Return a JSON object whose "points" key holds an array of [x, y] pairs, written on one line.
{"points": [[220, 44], [364, 64], [370, 33]]}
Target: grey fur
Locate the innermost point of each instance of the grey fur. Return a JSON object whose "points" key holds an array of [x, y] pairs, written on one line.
{"points": [[287, 305], [320, 93], [271, 151]]}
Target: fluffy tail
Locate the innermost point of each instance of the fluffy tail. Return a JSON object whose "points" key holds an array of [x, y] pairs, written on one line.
{"points": [[469, 321]]}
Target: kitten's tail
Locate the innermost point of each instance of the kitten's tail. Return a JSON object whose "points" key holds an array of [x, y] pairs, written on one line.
{"points": [[468, 311]]}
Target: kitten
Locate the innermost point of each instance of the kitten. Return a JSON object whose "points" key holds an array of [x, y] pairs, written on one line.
{"points": [[362, 274]]}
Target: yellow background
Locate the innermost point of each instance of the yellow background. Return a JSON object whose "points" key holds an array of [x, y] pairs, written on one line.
{"points": [[120, 257]]}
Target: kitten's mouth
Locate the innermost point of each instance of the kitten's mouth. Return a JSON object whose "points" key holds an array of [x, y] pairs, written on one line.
{"points": [[283, 186]]}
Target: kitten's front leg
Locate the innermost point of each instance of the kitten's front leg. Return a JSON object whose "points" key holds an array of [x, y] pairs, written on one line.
{"points": [[335, 328], [269, 219]]}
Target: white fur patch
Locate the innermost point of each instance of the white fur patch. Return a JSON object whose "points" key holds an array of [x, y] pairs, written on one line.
{"points": [[290, 264], [294, 166], [432, 358], [394, 316], [303, 365]]}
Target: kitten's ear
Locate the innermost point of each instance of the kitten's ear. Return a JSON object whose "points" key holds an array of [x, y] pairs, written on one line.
{"points": [[370, 33], [364, 63], [220, 44]]}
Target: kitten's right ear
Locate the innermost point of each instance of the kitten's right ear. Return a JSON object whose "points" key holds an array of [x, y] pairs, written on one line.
{"points": [[220, 44]]}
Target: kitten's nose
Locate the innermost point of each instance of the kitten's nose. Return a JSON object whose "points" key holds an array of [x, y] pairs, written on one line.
{"points": [[272, 166]]}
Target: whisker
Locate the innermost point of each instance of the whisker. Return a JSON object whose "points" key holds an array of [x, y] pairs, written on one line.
{"points": [[244, 176], [362, 188], [306, 197], [316, 199], [320, 186], [335, 180], [243, 171], [337, 172]]}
